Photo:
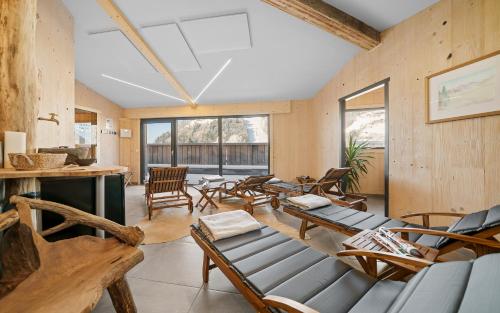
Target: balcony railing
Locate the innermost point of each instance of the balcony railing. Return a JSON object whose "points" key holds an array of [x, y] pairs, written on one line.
{"points": [[207, 155]]}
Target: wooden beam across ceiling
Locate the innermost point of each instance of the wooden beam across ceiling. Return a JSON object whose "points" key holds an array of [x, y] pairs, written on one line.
{"points": [[138, 41], [331, 19]]}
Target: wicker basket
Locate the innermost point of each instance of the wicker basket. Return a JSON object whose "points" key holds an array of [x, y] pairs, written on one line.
{"points": [[37, 161]]}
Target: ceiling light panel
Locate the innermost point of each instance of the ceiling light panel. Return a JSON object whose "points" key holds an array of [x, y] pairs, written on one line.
{"points": [[217, 34], [171, 47]]}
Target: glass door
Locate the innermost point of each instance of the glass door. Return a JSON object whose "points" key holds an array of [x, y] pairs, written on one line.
{"points": [[245, 146], [198, 147], [158, 144]]}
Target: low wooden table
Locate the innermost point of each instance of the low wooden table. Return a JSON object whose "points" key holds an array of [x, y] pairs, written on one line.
{"points": [[207, 194], [396, 270]]}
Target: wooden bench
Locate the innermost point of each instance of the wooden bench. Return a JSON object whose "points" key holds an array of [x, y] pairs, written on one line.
{"points": [[68, 275]]}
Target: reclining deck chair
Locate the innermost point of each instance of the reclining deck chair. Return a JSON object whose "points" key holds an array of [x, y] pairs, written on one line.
{"points": [[475, 230], [278, 274], [250, 190], [329, 185], [163, 180], [69, 275]]}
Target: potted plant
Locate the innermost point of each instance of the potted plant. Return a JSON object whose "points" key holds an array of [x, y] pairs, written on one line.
{"points": [[357, 159]]}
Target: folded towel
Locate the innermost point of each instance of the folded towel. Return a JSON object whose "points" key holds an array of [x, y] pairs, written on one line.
{"points": [[227, 224], [212, 178], [274, 180], [309, 201]]}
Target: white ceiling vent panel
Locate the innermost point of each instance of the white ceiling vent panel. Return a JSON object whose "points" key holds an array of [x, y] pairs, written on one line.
{"points": [[169, 44], [118, 54], [216, 34]]}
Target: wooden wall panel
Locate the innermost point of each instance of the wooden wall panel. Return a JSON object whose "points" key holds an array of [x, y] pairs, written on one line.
{"points": [[292, 141], [373, 182], [446, 166], [109, 150], [56, 73]]}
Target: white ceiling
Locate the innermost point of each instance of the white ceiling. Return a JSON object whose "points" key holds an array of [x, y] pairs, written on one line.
{"points": [[381, 14], [275, 56]]}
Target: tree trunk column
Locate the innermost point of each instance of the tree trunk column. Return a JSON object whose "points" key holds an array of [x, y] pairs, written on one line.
{"points": [[18, 76]]}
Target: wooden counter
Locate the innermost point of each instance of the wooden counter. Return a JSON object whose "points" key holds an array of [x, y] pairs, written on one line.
{"points": [[82, 171]]}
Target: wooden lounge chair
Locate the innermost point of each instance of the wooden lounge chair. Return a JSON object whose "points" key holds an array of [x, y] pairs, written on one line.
{"points": [[68, 275], [164, 180], [274, 272], [475, 230], [328, 186], [250, 190]]}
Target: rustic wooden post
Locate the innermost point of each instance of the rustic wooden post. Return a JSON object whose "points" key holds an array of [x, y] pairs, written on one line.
{"points": [[18, 76]]}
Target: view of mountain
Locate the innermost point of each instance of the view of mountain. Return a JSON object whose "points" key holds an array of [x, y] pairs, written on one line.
{"points": [[234, 130]]}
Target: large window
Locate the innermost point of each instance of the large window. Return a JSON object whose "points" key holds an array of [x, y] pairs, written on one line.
{"points": [[234, 146], [366, 126], [245, 146], [198, 146]]}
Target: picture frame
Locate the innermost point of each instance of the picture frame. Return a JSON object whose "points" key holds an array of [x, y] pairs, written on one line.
{"points": [[468, 90]]}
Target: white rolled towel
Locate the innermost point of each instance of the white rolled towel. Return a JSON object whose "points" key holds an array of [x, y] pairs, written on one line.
{"points": [[227, 224], [213, 178], [309, 201]]}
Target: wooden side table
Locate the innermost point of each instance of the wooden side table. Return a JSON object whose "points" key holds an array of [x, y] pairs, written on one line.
{"points": [[207, 194], [397, 269]]}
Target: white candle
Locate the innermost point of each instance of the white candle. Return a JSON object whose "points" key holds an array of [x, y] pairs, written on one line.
{"points": [[15, 142]]}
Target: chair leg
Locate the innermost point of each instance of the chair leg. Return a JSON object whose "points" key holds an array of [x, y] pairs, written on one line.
{"points": [[150, 207], [190, 205], [122, 297], [206, 267], [303, 229]]}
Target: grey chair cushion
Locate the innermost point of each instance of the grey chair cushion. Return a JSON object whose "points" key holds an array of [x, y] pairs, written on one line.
{"points": [[358, 221], [273, 264], [481, 295], [473, 223]]}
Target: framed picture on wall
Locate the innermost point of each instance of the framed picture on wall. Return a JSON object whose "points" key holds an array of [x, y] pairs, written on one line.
{"points": [[471, 89]]}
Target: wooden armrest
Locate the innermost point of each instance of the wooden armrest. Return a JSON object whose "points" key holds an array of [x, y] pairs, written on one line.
{"points": [[7, 219], [387, 256], [355, 196], [425, 216], [288, 305], [130, 235], [460, 237], [434, 213]]}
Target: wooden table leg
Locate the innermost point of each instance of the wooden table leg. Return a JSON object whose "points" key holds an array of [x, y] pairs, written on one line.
{"points": [[122, 297]]}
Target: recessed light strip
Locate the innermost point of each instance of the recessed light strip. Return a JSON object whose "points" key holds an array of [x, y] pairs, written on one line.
{"points": [[213, 79], [142, 87]]}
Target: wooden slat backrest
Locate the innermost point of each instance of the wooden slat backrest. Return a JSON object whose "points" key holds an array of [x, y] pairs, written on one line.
{"points": [[254, 181], [332, 178], [167, 179]]}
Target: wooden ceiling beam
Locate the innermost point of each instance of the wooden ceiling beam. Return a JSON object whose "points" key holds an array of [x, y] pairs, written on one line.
{"points": [[138, 41], [331, 19]]}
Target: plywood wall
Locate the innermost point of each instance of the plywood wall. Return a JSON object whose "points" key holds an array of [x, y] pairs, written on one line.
{"points": [[373, 182], [109, 149], [289, 127], [453, 166], [56, 71]]}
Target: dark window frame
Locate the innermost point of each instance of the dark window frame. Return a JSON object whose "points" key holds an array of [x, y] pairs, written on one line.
{"points": [[220, 141]]}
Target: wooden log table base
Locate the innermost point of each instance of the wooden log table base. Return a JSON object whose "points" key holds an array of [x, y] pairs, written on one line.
{"points": [[396, 270], [207, 195]]}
